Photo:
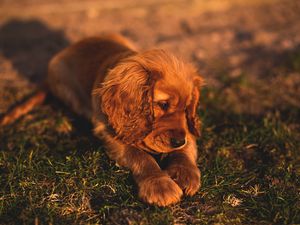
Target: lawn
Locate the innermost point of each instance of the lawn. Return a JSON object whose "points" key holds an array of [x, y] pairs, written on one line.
{"points": [[54, 171]]}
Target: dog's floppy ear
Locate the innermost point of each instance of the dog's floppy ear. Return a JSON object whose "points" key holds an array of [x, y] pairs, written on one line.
{"points": [[191, 110], [126, 99]]}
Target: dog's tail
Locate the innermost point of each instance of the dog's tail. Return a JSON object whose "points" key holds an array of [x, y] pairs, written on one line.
{"points": [[35, 99]]}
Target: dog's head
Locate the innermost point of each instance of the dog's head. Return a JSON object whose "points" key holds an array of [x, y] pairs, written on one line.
{"points": [[150, 100]]}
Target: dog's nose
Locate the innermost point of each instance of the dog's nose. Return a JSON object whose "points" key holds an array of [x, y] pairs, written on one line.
{"points": [[176, 143]]}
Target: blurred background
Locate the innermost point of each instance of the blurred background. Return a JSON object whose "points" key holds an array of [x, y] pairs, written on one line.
{"points": [[253, 42]]}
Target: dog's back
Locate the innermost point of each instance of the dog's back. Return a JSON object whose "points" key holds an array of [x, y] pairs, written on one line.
{"points": [[73, 71]]}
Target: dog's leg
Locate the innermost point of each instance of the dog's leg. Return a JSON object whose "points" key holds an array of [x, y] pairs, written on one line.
{"points": [[155, 186], [182, 168]]}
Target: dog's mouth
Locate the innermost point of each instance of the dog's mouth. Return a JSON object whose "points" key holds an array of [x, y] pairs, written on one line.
{"points": [[163, 143]]}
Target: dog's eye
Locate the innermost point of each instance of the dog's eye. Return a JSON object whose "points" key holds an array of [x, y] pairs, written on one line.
{"points": [[163, 105]]}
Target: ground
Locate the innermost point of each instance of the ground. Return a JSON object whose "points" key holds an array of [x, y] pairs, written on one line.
{"points": [[54, 171]]}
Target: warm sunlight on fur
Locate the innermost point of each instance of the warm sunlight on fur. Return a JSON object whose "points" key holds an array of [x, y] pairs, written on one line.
{"points": [[141, 104]]}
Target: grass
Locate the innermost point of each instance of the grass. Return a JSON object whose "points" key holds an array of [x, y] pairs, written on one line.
{"points": [[53, 171]]}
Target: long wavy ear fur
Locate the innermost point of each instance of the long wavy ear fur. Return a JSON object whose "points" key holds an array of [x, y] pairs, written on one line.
{"points": [[126, 99], [193, 120]]}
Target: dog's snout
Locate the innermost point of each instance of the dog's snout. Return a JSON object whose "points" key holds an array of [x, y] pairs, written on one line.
{"points": [[176, 143]]}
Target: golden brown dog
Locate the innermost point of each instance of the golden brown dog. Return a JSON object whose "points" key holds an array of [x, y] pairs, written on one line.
{"points": [[141, 104]]}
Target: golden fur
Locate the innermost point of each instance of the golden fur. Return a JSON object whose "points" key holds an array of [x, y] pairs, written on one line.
{"points": [[141, 104]]}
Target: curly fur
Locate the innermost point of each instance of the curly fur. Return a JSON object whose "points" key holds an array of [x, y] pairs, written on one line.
{"points": [[193, 120], [126, 100], [138, 103]]}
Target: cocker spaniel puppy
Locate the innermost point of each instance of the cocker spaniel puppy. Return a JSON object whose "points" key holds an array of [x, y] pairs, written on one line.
{"points": [[143, 105]]}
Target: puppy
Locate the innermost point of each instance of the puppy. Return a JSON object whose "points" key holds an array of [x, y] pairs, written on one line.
{"points": [[143, 105]]}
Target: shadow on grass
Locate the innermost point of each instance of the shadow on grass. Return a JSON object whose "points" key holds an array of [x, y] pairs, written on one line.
{"points": [[30, 45]]}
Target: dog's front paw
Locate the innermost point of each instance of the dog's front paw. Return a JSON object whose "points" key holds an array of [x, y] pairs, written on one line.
{"points": [[188, 178], [159, 190]]}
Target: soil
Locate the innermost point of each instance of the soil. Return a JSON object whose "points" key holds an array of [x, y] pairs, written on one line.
{"points": [[256, 39]]}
